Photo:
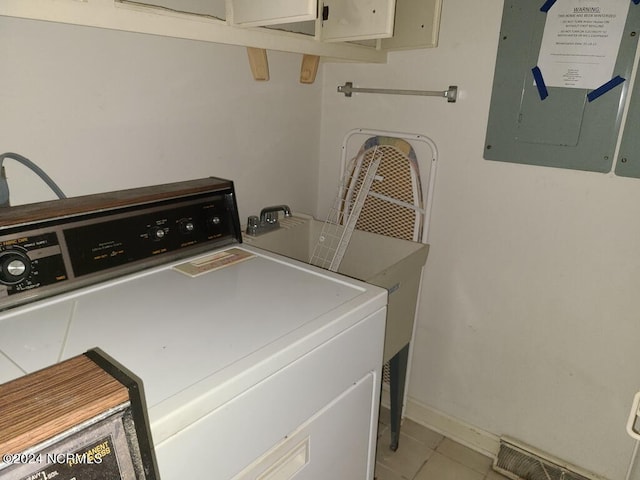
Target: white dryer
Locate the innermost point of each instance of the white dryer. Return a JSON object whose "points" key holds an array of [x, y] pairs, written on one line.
{"points": [[254, 366]]}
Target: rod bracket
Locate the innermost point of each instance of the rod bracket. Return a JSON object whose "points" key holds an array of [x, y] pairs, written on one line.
{"points": [[347, 89], [452, 94]]}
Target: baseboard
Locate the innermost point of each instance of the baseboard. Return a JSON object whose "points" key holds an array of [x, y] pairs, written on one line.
{"points": [[475, 438]]}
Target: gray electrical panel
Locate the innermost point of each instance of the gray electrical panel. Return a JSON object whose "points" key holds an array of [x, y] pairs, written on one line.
{"points": [[628, 161], [564, 129]]}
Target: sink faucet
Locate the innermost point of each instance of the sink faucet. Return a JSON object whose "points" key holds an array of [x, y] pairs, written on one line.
{"points": [[270, 214], [267, 221]]}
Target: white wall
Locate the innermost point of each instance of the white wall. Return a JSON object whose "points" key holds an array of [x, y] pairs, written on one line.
{"points": [[103, 110], [529, 318]]}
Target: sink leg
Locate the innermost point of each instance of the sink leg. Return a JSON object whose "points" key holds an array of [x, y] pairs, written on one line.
{"points": [[398, 374]]}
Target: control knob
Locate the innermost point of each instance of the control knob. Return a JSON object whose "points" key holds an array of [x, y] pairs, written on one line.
{"points": [[15, 267], [215, 226], [187, 227], [157, 233]]}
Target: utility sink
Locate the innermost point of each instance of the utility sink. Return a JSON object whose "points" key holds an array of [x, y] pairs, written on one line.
{"points": [[387, 262]]}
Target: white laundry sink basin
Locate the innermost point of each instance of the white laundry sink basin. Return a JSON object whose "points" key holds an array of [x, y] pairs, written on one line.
{"points": [[387, 262]]}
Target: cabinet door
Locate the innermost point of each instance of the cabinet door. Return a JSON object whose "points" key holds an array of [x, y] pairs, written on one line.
{"points": [[346, 20], [417, 25], [257, 13]]}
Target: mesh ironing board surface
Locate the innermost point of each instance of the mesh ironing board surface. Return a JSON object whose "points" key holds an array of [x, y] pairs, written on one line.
{"points": [[394, 206]]}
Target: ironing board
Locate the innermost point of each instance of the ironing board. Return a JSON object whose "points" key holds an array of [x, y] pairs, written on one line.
{"points": [[395, 207]]}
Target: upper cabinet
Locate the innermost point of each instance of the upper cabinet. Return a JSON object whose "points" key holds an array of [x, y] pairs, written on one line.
{"points": [[327, 20], [401, 23], [358, 30]]}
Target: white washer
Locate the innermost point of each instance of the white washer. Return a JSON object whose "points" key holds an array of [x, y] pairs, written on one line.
{"points": [[264, 369]]}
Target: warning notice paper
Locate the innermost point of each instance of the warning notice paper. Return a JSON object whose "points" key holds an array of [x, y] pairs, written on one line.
{"points": [[580, 42]]}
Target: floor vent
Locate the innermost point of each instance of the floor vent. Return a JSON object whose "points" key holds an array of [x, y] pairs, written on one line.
{"points": [[521, 462]]}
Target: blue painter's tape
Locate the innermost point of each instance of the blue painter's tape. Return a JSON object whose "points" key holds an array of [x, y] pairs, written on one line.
{"points": [[549, 3], [614, 82], [542, 88]]}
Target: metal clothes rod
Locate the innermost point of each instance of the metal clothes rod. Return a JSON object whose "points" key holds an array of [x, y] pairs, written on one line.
{"points": [[451, 94]]}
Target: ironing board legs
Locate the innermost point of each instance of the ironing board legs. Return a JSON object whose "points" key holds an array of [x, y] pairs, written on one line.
{"points": [[398, 374]]}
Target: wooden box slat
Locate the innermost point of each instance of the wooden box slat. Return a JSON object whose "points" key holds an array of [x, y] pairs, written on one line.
{"points": [[46, 403]]}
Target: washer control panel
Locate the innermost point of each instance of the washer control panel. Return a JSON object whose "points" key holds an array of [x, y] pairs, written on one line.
{"points": [[112, 242], [53, 255]]}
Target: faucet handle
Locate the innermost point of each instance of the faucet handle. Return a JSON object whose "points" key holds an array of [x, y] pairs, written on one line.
{"points": [[253, 223]]}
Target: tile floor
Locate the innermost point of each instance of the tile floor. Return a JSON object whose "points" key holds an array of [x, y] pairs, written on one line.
{"points": [[426, 455]]}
